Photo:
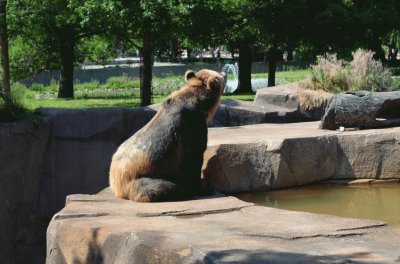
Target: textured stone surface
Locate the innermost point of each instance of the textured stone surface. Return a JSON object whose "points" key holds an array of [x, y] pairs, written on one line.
{"points": [[271, 105], [269, 156], [103, 229], [81, 144], [72, 152], [40, 166], [239, 113], [22, 146], [363, 109]]}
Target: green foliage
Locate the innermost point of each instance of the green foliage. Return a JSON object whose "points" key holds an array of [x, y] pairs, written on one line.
{"points": [[38, 28], [330, 74], [96, 49], [395, 71], [369, 74], [396, 84]]}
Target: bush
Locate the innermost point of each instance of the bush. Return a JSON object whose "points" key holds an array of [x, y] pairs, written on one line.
{"points": [[369, 74], [362, 73], [396, 84], [329, 74]]}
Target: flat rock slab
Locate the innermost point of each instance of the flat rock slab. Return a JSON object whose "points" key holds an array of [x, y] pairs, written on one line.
{"points": [[238, 113], [219, 229], [271, 156]]}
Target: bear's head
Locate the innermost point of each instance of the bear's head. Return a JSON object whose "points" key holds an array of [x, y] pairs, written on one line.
{"points": [[208, 83], [213, 80]]}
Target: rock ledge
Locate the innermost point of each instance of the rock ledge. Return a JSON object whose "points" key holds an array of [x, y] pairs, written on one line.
{"points": [[103, 229]]}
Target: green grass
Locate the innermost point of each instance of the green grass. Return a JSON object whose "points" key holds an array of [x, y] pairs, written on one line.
{"points": [[287, 76], [128, 101], [123, 92]]}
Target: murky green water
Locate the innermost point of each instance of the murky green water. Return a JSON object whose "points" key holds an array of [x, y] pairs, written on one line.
{"points": [[377, 202]]}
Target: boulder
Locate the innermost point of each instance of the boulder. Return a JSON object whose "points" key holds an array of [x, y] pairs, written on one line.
{"points": [[219, 229], [239, 113], [362, 110], [293, 96], [271, 156]]}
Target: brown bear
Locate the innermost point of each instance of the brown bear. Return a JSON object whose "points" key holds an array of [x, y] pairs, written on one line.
{"points": [[163, 160]]}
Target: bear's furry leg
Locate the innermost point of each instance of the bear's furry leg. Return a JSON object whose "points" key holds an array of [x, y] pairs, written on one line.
{"points": [[155, 190]]}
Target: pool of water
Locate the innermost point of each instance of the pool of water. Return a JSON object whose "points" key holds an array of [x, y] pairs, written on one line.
{"points": [[376, 202]]}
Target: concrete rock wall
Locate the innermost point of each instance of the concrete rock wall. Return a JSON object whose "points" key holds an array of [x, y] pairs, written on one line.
{"points": [[22, 147], [40, 166]]}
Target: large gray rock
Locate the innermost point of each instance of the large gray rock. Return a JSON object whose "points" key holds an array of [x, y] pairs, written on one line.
{"points": [[238, 113], [103, 229], [287, 96], [270, 156], [363, 110]]}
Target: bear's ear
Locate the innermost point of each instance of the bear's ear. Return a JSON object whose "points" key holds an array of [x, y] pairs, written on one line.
{"points": [[189, 75], [214, 83]]}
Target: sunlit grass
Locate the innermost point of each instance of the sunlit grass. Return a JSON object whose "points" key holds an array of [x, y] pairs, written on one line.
{"points": [[124, 92], [286, 76]]}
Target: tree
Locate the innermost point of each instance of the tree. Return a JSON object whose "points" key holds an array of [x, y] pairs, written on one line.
{"points": [[6, 93], [392, 40], [146, 25], [242, 35], [57, 27], [343, 26], [377, 19], [281, 25], [215, 23]]}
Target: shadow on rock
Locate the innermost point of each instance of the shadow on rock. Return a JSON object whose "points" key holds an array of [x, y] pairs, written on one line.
{"points": [[94, 254], [271, 257]]}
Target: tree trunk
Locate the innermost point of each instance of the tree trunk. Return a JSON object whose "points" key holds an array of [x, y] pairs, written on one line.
{"points": [[362, 110], [174, 47], [272, 55], [375, 46], [289, 55], [245, 61], [6, 93], [146, 72], [189, 53], [392, 52], [67, 54]]}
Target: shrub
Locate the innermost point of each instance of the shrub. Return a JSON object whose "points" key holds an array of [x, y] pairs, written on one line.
{"points": [[369, 74], [396, 84], [362, 73], [329, 74]]}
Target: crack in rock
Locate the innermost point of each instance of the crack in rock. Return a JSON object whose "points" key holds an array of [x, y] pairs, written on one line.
{"points": [[79, 215], [192, 213], [362, 227]]}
